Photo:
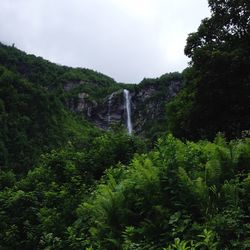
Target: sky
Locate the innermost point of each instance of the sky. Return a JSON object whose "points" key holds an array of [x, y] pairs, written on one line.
{"points": [[126, 39]]}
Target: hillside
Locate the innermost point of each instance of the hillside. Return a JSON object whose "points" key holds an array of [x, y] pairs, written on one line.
{"points": [[86, 92], [47, 74], [34, 97]]}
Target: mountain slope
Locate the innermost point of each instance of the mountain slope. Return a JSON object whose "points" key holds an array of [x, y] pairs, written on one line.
{"points": [[32, 121], [54, 76]]}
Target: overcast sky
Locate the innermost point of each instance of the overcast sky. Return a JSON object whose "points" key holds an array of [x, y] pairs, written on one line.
{"points": [[125, 39]]}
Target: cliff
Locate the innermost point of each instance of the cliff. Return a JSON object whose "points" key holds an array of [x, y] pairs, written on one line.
{"points": [[148, 100]]}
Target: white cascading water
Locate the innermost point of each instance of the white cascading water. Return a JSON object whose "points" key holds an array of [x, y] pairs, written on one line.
{"points": [[128, 109], [109, 107]]}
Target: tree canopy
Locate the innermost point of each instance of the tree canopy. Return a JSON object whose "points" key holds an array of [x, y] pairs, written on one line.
{"points": [[217, 93]]}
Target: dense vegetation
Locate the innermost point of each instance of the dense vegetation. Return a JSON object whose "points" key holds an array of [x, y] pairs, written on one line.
{"points": [[38, 210], [53, 76], [217, 93], [193, 194], [65, 184], [197, 192]]}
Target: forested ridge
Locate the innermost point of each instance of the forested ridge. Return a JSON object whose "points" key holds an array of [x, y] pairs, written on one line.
{"points": [[67, 184]]}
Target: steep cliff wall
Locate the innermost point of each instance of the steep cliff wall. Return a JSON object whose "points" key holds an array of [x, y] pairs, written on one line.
{"points": [[148, 100], [149, 103]]}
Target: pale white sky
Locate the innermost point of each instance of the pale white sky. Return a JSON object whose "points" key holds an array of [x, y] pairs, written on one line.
{"points": [[125, 39]]}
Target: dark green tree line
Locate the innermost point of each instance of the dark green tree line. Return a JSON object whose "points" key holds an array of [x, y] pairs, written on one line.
{"points": [[217, 93]]}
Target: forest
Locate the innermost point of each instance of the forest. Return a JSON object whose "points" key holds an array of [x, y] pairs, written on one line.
{"points": [[68, 184]]}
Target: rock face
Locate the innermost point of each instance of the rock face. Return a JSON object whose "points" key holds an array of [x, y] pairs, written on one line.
{"points": [[82, 104], [105, 113], [110, 110], [147, 106]]}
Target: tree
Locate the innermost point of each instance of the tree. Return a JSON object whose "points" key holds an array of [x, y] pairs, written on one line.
{"points": [[220, 80]]}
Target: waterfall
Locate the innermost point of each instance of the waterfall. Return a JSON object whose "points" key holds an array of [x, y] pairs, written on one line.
{"points": [[109, 107], [128, 109]]}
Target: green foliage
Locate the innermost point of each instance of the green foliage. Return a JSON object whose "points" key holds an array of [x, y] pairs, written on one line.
{"points": [[31, 121], [110, 148], [206, 241], [176, 191], [56, 78], [38, 70], [216, 96], [40, 208]]}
